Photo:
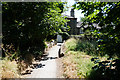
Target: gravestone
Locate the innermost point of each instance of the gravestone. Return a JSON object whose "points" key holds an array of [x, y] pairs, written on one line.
{"points": [[59, 39]]}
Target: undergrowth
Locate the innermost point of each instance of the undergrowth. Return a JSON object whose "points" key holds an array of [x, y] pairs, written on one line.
{"points": [[79, 54], [8, 69], [89, 47]]}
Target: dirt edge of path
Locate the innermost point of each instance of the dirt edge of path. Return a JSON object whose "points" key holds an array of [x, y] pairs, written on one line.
{"points": [[60, 68]]}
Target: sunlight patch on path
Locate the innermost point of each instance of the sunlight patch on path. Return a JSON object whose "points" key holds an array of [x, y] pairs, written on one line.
{"points": [[48, 70]]}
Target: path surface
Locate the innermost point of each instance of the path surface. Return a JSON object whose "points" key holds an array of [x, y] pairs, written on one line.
{"points": [[48, 65]]}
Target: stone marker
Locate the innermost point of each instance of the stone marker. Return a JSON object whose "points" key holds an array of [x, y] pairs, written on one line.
{"points": [[59, 39]]}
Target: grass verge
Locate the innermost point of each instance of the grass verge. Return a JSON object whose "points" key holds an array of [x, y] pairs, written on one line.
{"points": [[77, 65]]}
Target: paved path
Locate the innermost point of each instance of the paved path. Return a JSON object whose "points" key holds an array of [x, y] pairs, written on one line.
{"points": [[48, 66]]}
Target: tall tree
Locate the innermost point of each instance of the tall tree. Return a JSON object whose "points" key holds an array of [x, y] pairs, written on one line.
{"points": [[27, 25], [106, 14]]}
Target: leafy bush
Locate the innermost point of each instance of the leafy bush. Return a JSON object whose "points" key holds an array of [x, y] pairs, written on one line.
{"points": [[105, 70], [71, 44], [65, 35], [90, 47]]}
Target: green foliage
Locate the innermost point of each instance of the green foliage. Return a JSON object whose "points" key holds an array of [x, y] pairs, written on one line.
{"points": [[65, 35], [27, 25], [106, 68], [83, 61], [86, 46], [83, 19], [106, 14], [84, 64], [71, 44], [90, 47]]}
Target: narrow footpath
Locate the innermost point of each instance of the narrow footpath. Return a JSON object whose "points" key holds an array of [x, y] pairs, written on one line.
{"points": [[48, 65]]}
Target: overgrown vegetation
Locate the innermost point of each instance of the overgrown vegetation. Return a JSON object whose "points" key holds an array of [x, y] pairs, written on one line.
{"points": [[8, 69], [77, 61], [106, 15], [26, 28], [103, 14], [89, 47]]}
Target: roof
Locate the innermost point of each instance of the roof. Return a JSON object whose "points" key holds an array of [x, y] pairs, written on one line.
{"points": [[79, 25], [67, 16]]}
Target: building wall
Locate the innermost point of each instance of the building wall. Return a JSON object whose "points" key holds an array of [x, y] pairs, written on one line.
{"points": [[73, 26]]}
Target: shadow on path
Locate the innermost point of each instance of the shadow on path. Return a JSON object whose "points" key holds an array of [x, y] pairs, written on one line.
{"points": [[47, 58], [46, 66]]}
